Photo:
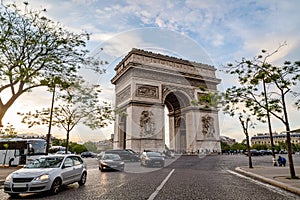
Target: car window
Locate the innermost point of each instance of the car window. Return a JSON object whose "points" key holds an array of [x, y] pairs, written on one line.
{"points": [[153, 154], [111, 157], [46, 162], [68, 162], [77, 160]]}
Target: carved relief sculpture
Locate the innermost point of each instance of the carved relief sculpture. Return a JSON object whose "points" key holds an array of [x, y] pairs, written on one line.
{"points": [[148, 91], [208, 128], [146, 123]]}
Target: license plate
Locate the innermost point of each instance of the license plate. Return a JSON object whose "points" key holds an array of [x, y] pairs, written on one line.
{"points": [[157, 162], [113, 166], [19, 185]]}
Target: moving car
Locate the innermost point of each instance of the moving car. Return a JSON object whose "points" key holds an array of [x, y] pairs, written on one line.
{"points": [[47, 173], [152, 159], [125, 154], [111, 162], [88, 154]]}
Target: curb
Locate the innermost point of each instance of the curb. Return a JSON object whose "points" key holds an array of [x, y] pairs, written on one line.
{"points": [[269, 181]]}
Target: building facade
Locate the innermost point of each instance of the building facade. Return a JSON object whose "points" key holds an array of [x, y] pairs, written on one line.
{"points": [[264, 138]]}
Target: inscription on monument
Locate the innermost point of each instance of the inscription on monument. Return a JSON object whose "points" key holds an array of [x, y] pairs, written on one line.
{"points": [[147, 91]]}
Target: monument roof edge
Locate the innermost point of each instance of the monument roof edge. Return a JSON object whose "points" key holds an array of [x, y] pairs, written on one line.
{"points": [[161, 56]]}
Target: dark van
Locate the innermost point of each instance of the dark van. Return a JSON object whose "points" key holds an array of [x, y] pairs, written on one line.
{"points": [[124, 154]]}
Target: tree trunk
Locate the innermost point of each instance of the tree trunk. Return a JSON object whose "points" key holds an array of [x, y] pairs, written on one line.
{"points": [[288, 139], [67, 142], [249, 149]]}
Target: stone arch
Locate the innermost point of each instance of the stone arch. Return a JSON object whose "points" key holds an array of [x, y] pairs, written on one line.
{"points": [[176, 99], [146, 83]]}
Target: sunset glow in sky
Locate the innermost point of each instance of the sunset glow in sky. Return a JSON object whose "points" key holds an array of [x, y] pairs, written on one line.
{"points": [[211, 32]]}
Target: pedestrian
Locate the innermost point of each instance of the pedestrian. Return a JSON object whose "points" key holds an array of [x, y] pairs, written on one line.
{"points": [[281, 161]]}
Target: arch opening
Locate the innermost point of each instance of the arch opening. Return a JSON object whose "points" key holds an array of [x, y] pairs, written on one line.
{"points": [[175, 125]]}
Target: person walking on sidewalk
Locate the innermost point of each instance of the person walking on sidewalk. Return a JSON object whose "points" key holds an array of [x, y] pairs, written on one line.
{"points": [[281, 161]]}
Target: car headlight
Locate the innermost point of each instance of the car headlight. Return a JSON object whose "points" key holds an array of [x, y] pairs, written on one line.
{"points": [[122, 163], [8, 178], [103, 163], [43, 177]]}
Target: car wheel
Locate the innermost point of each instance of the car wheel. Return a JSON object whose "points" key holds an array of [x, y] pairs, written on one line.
{"points": [[82, 179], [55, 186]]}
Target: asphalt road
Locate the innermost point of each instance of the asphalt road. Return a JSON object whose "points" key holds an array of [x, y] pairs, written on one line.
{"points": [[188, 177]]}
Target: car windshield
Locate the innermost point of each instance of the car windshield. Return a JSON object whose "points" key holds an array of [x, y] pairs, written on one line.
{"points": [[153, 154], [111, 157], [49, 162]]}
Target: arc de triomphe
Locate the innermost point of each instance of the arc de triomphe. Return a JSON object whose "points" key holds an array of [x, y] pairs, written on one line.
{"points": [[149, 84]]}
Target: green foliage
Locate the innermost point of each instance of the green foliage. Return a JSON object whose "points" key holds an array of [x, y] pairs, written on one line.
{"points": [[8, 131], [77, 148], [239, 146], [259, 147], [254, 75], [35, 52], [225, 146], [90, 146]]}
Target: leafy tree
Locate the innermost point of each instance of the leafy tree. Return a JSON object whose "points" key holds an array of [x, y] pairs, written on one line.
{"points": [[281, 80], [35, 52], [90, 146], [8, 131], [80, 105], [225, 147], [77, 148], [238, 146], [259, 146]]}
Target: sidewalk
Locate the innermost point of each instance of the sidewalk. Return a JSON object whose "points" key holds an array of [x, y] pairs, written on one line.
{"points": [[276, 176]]}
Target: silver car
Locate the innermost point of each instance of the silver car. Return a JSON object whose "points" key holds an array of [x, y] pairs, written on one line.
{"points": [[47, 173]]}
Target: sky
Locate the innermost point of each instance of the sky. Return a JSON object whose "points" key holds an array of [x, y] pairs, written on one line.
{"points": [[210, 32]]}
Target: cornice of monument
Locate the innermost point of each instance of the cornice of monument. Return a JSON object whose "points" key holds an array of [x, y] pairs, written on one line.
{"points": [[139, 56], [163, 57]]}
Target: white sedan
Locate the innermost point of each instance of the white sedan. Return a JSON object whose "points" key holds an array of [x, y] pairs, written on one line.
{"points": [[47, 173]]}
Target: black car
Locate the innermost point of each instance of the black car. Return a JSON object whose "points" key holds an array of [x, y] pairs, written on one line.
{"points": [[88, 154], [126, 155], [152, 159], [111, 162]]}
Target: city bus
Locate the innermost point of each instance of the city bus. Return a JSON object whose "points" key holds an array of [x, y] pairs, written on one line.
{"points": [[20, 151]]}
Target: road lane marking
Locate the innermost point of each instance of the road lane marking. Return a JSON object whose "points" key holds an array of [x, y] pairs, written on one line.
{"points": [[153, 195], [270, 187]]}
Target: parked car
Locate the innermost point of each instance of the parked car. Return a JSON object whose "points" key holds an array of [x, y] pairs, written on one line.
{"points": [[47, 173], [152, 159], [124, 154], [111, 162], [88, 154]]}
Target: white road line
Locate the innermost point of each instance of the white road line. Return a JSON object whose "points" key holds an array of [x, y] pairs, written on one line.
{"points": [[153, 195], [270, 187]]}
